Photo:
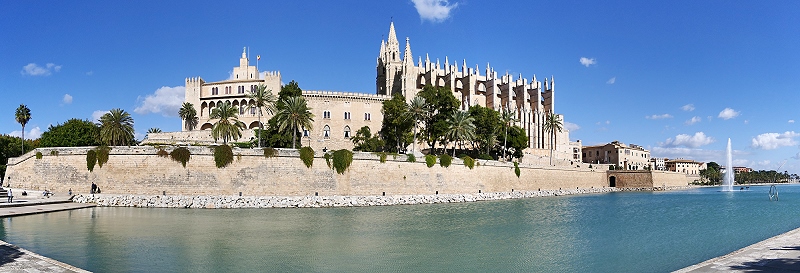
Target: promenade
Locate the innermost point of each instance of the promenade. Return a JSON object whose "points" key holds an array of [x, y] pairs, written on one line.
{"points": [[777, 254]]}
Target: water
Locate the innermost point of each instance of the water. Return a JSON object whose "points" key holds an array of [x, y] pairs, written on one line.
{"points": [[727, 180], [617, 232]]}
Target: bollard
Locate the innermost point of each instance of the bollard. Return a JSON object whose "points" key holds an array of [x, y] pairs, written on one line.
{"points": [[163, 192], [512, 190], [240, 193], [437, 192], [479, 191], [384, 193], [316, 193]]}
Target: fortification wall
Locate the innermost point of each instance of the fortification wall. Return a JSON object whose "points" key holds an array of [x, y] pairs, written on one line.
{"points": [[648, 179], [138, 170]]}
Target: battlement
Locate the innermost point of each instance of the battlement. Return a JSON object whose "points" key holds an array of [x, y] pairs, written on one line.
{"points": [[344, 95]]}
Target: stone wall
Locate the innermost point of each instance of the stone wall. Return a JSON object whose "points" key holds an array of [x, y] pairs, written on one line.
{"points": [[647, 179], [138, 170]]}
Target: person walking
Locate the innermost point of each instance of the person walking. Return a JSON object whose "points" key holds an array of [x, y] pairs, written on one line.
{"points": [[10, 196], [94, 187]]}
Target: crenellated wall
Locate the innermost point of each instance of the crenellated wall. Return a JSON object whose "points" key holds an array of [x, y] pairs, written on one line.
{"points": [[138, 170]]}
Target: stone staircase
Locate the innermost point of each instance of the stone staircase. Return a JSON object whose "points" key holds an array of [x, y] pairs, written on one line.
{"points": [[3, 194]]}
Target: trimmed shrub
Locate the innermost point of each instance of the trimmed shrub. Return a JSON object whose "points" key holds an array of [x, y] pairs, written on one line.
{"points": [[342, 160], [516, 169], [382, 157], [327, 157], [307, 155], [54, 153], [162, 153], [102, 155], [468, 162], [181, 154], [411, 158], [611, 167], [445, 160], [485, 157], [91, 159], [223, 156], [430, 160], [38, 155], [270, 152]]}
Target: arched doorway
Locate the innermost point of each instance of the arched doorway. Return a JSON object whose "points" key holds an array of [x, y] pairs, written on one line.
{"points": [[612, 181]]}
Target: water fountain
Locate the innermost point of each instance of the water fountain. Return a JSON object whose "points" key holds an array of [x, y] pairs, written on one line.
{"points": [[727, 179]]}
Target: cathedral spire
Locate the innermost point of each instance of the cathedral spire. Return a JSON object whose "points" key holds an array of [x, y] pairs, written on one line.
{"points": [[392, 35], [408, 59]]}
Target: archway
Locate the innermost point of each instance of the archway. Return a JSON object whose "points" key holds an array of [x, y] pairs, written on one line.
{"points": [[206, 126], [612, 181]]}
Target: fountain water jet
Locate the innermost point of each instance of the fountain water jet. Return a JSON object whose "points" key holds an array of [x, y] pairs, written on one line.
{"points": [[727, 179]]}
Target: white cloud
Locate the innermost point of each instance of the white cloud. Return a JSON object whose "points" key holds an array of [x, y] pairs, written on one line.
{"points": [[688, 107], [612, 80], [658, 116], [434, 10], [33, 133], [587, 61], [165, 100], [689, 141], [33, 69], [97, 114], [771, 141], [571, 126], [728, 113], [791, 121], [603, 122], [694, 120], [67, 99], [89, 73]]}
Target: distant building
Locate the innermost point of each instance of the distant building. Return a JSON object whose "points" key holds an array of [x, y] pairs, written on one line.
{"points": [[633, 157], [685, 166], [658, 164], [741, 169]]}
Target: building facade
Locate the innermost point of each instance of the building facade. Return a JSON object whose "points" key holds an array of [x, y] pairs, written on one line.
{"points": [[685, 166], [633, 157], [658, 164]]}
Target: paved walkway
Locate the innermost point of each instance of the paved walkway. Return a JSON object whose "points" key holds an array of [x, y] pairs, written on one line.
{"points": [[14, 259], [777, 254], [31, 205]]}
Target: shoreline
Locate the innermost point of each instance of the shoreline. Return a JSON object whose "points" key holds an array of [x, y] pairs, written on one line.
{"points": [[234, 202]]}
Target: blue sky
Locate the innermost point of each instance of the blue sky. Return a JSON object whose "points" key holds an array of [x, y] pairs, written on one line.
{"points": [[677, 77]]}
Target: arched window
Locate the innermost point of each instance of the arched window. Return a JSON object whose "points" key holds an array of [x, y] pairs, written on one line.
{"points": [[346, 131], [326, 131]]}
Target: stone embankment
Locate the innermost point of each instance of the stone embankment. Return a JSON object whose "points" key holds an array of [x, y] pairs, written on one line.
{"points": [[227, 201]]}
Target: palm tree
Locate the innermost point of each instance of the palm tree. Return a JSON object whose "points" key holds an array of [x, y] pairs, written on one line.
{"points": [[295, 114], [551, 125], [23, 115], [417, 110], [116, 128], [188, 115], [507, 117], [461, 128], [228, 125], [263, 99]]}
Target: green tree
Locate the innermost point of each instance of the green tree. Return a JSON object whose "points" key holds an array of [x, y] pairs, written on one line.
{"points": [[364, 141], [552, 125], [711, 173], [11, 146], [517, 140], [263, 101], [487, 125], [396, 124], [295, 115], [442, 103], [508, 118], [461, 129], [417, 110], [116, 128], [23, 115], [228, 126], [272, 136], [73, 133], [189, 116], [289, 90]]}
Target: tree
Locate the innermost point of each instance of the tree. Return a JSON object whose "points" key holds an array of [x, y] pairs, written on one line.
{"points": [[417, 110], [116, 128], [154, 130], [442, 103], [517, 140], [228, 125], [189, 116], [11, 146], [295, 115], [364, 141], [487, 125], [272, 136], [461, 129], [73, 133], [508, 118], [396, 126], [263, 101], [551, 125], [23, 115]]}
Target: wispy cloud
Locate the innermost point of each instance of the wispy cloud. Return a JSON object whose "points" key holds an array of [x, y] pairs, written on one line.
{"points": [[694, 120], [612, 80], [688, 141], [658, 116], [67, 99], [571, 126], [771, 141], [728, 113], [791, 121], [434, 10], [688, 107], [165, 100], [33, 69], [33, 133], [587, 61], [97, 114]]}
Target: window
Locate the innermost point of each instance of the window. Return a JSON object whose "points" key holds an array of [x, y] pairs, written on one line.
{"points": [[367, 116], [214, 91], [347, 132], [326, 114], [326, 131], [241, 110], [305, 132], [346, 115]]}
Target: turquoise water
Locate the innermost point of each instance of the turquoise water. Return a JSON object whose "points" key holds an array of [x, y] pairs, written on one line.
{"points": [[616, 232]]}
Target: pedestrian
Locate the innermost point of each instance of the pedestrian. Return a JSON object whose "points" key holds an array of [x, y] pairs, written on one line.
{"points": [[94, 187], [10, 196], [70, 191]]}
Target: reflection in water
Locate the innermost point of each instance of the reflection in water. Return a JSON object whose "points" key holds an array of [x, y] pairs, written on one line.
{"points": [[632, 232]]}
